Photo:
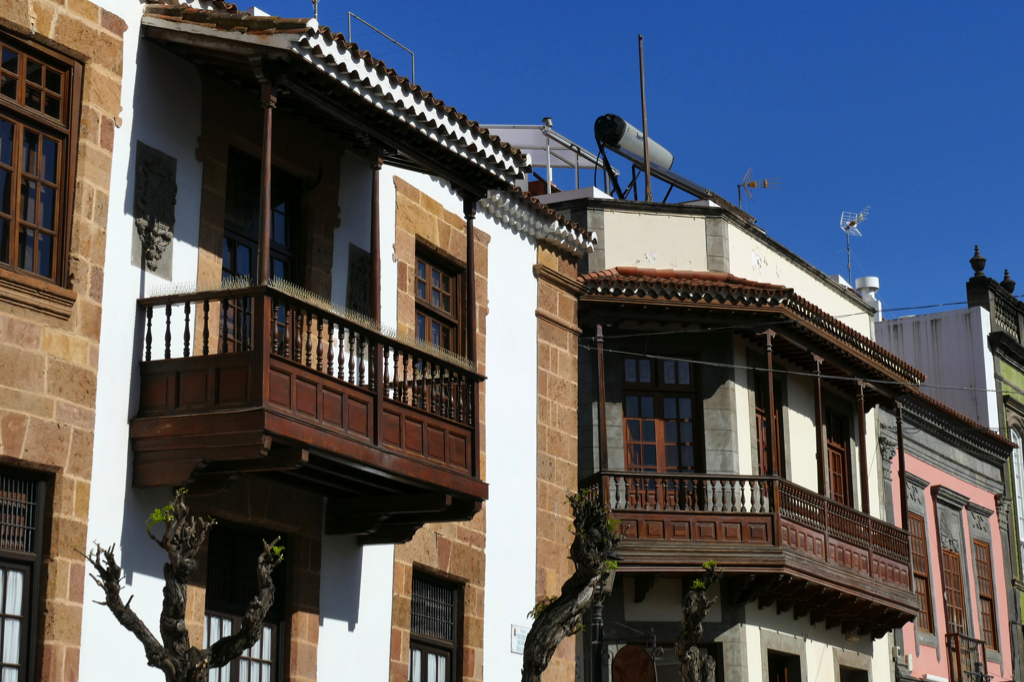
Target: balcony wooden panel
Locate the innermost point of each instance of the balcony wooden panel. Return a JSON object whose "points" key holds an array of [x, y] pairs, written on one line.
{"points": [[270, 375], [783, 542]]}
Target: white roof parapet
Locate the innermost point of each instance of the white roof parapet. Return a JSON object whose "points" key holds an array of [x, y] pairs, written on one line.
{"points": [[519, 217]]}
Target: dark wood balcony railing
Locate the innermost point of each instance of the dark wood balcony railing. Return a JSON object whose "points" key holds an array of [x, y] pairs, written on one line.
{"points": [[966, 656], [755, 510], [323, 380]]}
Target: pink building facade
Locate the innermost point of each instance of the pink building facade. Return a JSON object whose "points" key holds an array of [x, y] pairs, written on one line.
{"points": [[958, 522]]}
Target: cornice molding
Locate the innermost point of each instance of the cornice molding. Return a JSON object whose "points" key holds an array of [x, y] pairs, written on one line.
{"points": [[37, 295], [949, 497]]}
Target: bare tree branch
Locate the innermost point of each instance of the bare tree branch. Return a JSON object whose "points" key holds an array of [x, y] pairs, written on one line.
{"points": [[183, 536], [595, 542], [695, 665]]}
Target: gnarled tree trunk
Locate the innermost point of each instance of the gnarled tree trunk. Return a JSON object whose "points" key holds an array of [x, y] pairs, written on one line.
{"points": [[695, 665], [174, 654], [596, 538]]}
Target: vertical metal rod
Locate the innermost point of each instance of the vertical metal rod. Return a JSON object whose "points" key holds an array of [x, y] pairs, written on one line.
{"points": [[819, 427], [648, 196], [269, 97], [601, 417], [865, 502]]}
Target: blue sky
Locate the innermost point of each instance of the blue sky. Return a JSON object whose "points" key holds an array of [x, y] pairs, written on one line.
{"points": [[911, 108]]}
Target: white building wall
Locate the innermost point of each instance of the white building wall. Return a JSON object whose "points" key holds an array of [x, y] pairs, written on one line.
{"points": [[160, 100], [951, 349], [675, 242]]}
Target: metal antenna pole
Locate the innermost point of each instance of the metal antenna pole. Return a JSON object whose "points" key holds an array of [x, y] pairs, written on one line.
{"points": [[849, 269], [316, 14], [648, 196]]}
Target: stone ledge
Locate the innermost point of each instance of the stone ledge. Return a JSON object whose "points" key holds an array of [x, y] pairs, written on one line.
{"points": [[36, 294]]}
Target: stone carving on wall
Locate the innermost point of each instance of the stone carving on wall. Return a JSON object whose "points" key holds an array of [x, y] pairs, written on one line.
{"points": [[156, 193], [979, 523], [359, 276], [949, 531], [1003, 509], [915, 495], [887, 447]]}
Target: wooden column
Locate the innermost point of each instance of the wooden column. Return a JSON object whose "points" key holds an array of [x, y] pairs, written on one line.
{"points": [[375, 163], [865, 501], [819, 428], [773, 455], [268, 95], [902, 459], [601, 418], [469, 208]]}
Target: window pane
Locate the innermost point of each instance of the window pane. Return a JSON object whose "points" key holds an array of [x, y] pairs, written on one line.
{"points": [[442, 668], [651, 457], [648, 431], [645, 371], [34, 72], [630, 371], [13, 593], [683, 373], [633, 430], [10, 60], [415, 665], [278, 268], [421, 328], [435, 333], [686, 432], [243, 670], [670, 372], [685, 408], [672, 458], [29, 150], [435, 278], [6, 142], [8, 86], [647, 406], [5, 192], [47, 199], [632, 406], [53, 79], [686, 462], [34, 98], [12, 641], [446, 283], [242, 259], [670, 408], [431, 667], [48, 171], [52, 106], [280, 233], [670, 432], [5, 241], [9, 675], [26, 249], [446, 303], [28, 201], [421, 290], [45, 254], [436, 298], [421, 270]]}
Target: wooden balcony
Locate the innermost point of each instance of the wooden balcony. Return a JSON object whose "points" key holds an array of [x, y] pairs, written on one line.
{"points": [[776, 542], [966, 657], [258, 381]]}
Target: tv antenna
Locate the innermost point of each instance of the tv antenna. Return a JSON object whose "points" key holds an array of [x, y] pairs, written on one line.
{"points": [[849, 222], [749, 184]]}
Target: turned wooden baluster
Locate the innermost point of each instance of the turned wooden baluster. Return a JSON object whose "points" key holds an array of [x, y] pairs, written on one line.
{"points": [[330, 348], [167, 335], [309, 339], [351, 356], [319, 343], [387, 359], [469, 402], [372, 352], [297, 337], [188, 336], [149, 333], [206, 326], [406, 393], [273, 328], [461, 415], [286, 347]]}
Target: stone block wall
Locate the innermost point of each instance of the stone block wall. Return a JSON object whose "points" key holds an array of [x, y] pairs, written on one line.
{"points": [[49, 335], [452, 551], [557, 436]]}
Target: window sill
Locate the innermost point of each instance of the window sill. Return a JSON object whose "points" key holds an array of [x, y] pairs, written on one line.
{"points": [[35, 294]]}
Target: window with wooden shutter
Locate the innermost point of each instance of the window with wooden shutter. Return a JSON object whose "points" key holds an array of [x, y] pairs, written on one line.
{"points": [[39, 92], [438, 302], [952, 577], [661, 408], [986, 594], [922, 581]]}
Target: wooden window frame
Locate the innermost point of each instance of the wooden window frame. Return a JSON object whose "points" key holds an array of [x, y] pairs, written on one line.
{"points": [[760, 424], [659, 388], [989, 623], [66, 131], [433, 262], [847, 461], [922, 575], [953, 593], [427, 644]]}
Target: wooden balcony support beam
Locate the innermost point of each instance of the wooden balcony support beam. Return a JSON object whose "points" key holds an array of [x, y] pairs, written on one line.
{"points": [[773, 456], [862, 448]]}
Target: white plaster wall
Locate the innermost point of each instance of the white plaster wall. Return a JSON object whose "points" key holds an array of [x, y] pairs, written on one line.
{"points": [[801, 449], [752, 259], [951, 349], [744, 411], [161, 107], [633, 239]]}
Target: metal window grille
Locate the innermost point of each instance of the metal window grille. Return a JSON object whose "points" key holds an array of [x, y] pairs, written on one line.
{"points": [[17, 514], [231, 570], [433, 610]]}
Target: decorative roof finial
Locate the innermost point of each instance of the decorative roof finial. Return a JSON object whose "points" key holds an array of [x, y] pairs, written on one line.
{"points": [[1007, 283], [978, 263]]}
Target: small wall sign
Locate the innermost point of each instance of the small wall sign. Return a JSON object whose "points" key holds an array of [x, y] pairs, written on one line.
{"points": [[519, 633]]}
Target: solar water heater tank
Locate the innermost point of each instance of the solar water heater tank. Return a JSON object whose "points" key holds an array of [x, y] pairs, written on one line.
{"points": [[615, 131]]}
